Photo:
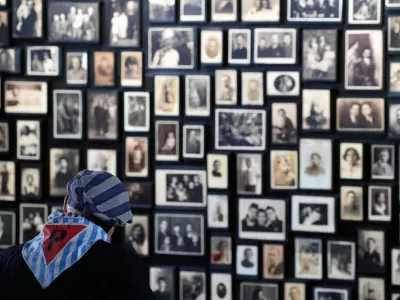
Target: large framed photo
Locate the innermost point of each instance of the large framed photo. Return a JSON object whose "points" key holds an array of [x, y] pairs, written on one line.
{"points": [[341, 260], [371, 251], [217, 211], [284, 169], [308, 258], [102, 160], [193, 10], [284, 123], [351, 203], [382, 162], [162, 11], [193, 141], [67, 114], [273, 261], [131, 68], [261, 11], [4, 137], [364, 13], [27, 19], [197, 95], [137, 111], [136, 156], [166, 95], [262, 290], [221, 286], [25, 97], [249, 138], [181, 188], [190, 279], [7, 177], [8, 229], [179, 234], [316, 12], [28, 139], [211, 46], [167, 140], [379, 203], [394, 33], [329, 293], [223, 10], [249, 174], [316, 110], [217, 171], [77, 65], [351, 160], [239, 43], [10, 60], [32, 219], [162, 282], [283, 83], [4, 28], [137, 235], [252, 88], [31, 182], [104, 68], [371, 287], [226, 87], [43, 60]]}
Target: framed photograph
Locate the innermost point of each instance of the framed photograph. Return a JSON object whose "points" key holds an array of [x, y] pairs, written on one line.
{"points": [[102, 160], [316, 164], [262, 219], [308, 258], [136, 111], [27, 19], [392, 3], [395, 266], [192, 10], [4, 29], [192, 284], [394, 32], [217, 171], [369, 287], [239, 41], [223, 10], [43, 60], [221, 286], [171, 48], [7, 176], [284, 169], [364, 60], [25, 97], [8, 231], [247, 260], [261, 11], [248, 138], [382, 162], [394, 86], [71, 22], [263, 290], [316, 106], [102, 115], [103, 68], [136, 156], [328, 293], [217, 211], [131, 68], [351, 160], [341, 260], [32, 219], [193, 141], [67, 114], [166, 95], [167, 141], [284, 123], [4, 137], [283, 83], [360, 114], [140, 193], [371, 251], [137, 235], [179, 234], [361, 12], [395, 296], [273, 258], [294, 291], [351, 203], [249, 174], [379, 203], [221, 250], [10, 59], [226, 88], [275, 45], [64, 165], [77, 66], [183, 188], [162, 282], [197, 95], [252, 88], [394, 119], [28, 140], [212, 42], [329, 12], [31, 183]]}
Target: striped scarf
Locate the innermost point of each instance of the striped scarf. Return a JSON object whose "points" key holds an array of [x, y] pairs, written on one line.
{"points": [[63, 241]]}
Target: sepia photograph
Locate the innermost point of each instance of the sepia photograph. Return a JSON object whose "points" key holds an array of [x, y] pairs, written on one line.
{"points": [[136, 156], [131, 68], [10, 59], [77, 65], [371, 251], [351, 160], [371, 288], [211, 46], [43, 60], [4, 28], [217, 211], [192, 285], [27, 18], [221, 250], [341, 260], [351, 203], [395, 266], [274, 261], [221, 286], [7, 181], [197, 95], [393, 33], [252, 88], [365, 12], [217, 171], [4, 137], [28, 140], [136, 111], [102, 160], [193, 10], [26, 97], [162, 283], [382, 162], [167, 140], [284, 123], [261, 10], [193, 141], [103, 68], [223, 10], [137, 235], [7, 229], [394, 69], [247, 260], [166, 95], [294, 291], [379, 203], [226, 87], [394, 120], [283, 83], [328, 293], [32, 218], [67, 114], [315, 11], [249, 174], [239, 43], [253, 290], [308, 258], [31, 183], [284, 169], [140, 193], [316, 105]]}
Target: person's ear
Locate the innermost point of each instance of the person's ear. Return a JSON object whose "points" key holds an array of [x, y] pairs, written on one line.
{"points": [[65, 203]]}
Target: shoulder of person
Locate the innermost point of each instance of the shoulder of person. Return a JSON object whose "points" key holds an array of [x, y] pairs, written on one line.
{"points": [[10, 252]]}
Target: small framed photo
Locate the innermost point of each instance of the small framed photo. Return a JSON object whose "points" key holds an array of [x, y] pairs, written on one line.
{"points": [[25, 97], [295, 291], [212, 42], [193, 141], [67, 110], [171, 48], [4, 137], [395, 266], [284, 169], [316, 110], [351, 160], [160, 11], [329, 293], [192, 280], [162, 282], [379, 203], [27, 19], [394, 86], [331, 12], [221, 250], [364, 13], [3, 3], [308, 258], [252, 88], [181, 188], [31, 183], [217, 211], [262, 290], [103, 68], [166, 95], [371, 251], [394, 32], [249, 174], [32, 218], [341, 260], [28, 140], [226, 87], [274, 261], [102, 160], [395, 296], [8, 226], [77, 65], [10, 59], [197, 95], [167, 141], [43, 60], [247, 138], [371, 287], [136, 156], [193, 10], [392, 3], [223, 10], [7, 176], [351, 203], [136, 111], [263, 11], [131, 68], [239, 46], [217, 171], [284, 123], [262, 219], [247, 260], [283, 83], [316, 164], [4, 29], [221, 286], [179, 234], [55, 208], [394, 120], [382, 162], [137, 235], [140, 193]]}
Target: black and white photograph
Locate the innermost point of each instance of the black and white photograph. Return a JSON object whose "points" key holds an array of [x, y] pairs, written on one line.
{"points": [[221, 286], [224, 10], [162, 11], [217, 171], [77, 68], [275, 45], [193, 141], [351, 203], [284, 169], [393, 33], [273, 261], [394, 120], [28, 140], [7, 229], [179, 234], [261, 10], [27, 18], [392, 3], [253, 290], [365, 12], [193, 10], [10, 59], [136, 156], [167, 140], [283, 83], [140, 193], [395, 296], [351, 160], [64, 165], [247, 260], [394, 69], [26, 97], [314, 11], [136, 111], [382, 162], [249, 174], [183, 188], [226, 87], [171, 48], [252, 88], [240, 129], [166, 95], [308, 258], [363, 60], [31, 187], [371, 288], [211, 46], [43, 60], [371, 251], [4, 137], [67, 118], [192, 285], [284, 123], [137, 235], [102, 160], [239, 43], [32, 218], [395, 266], [162, 283], [332, 294], [217, 211], [379, 203], [221, 250], [4, 28], [262, 219], [315, 167], [341, 260], [7, 179], [320, 52], [316, 106], [131, 68], [295, 291], [197, 95]]}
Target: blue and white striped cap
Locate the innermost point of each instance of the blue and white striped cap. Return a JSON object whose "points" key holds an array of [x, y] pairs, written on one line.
{"points": [[100, 194]]}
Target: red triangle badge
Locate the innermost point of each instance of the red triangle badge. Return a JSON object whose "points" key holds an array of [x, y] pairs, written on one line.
{"points": [[56, 237]]}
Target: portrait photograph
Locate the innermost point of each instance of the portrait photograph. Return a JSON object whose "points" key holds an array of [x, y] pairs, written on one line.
{"points": [[166, 95], [192, 285], [379, 203], [31, 183], [43, 60], [283, 83], [140, 193], [223, 10], [10, 59], [393, 33], [64, 165], [226, 87], [193, 141], [252, 88], [136, 111], [394, 69], [171, 48], [23, 97], [284, 123], [27, 18], [273, 261], [217, 211], [212, 42], [167, 140], [179, 234], [308, 258], [395, 268], [328, 293], [360, 114], [193, 10], [103, 68], [316, 106], [67, 114], [239, 43], [131, 68], [351, 203], [341, 260], [232, 130], [137, 235], [363, 60], [392, 3], [217, 171], [261, 10], [102, 160], [162, 11], [221, 250], [7, 229], [28, 140], [247, 260], [249, 174], [183, 188], [284, 169], [255, 290], [275, 45], [382, 162], [371, 288], [394, 119], [294, 291], [365, 12], [371, 251], [317, 11], [221, 286], [162, 283], [136, 156], [4, 137], [262, 219], [32, 218], [315, 164], [197, 95], [351, 160], [77, 65], [4, 28], [7, 177]]}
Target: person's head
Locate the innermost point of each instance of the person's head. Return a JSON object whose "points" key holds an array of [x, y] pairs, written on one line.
{"points": [[163, 225], [46, 55], [252, 211], [176, 228], [261, 217], [56, 18], [351, 198], [271, 213], [252, 84], [281, 113], [351, 156], [248, 253], [287, 39], [29, 179], [216, 165], [189, 227], [315, 159], [384, 155], [273, 255], [294, 292], [63, 162], [212, 47], [371, 244], [62, 17], [240, 40], [132, 64], [266, 4], [316, 108], [162, 283], [249, 162], [262, 43], [355, 109], [222, 246], [275, 40], [226, 79], [192, 135], [137, 233], [380, 198], [366, 53], [257, 4], [76, 63], [191, 185], [167, 39]]}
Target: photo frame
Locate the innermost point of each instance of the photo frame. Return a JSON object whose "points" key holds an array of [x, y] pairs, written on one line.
{"points": [[371, 251], [239, 46], [283, 83], [197, 95], [294, 289], [28, 140], [252, 88], [193, 11], [167, 140], [226, 87], [330, 292], [136, 156], [31, 182], [316, 110], [379, 203], [217, 211], [249, 174], [8, 175], [32, 26], [223, 11], [5, 28], [212, 42], [43, 60], [270, 290], [247, 260], [131, 69], [351, 160], [68, 114], [268, 12], [4, 136], [351, 203], [284, 123], [104, 68], [137, 111], [377, 285], [394, 266], [284, 169], [10, 60], [166, 95], [217, 171], [76, 67], [193, 141], [339, 267], [221, 286], [382, 162], [137, 235], [393, 30], [162, 282], [140, 193], [8, 222], [188, 279], [102, 160], [273, 261], [308, 258], [334, 14], [29, 228], [356, 16], [221, 250]]}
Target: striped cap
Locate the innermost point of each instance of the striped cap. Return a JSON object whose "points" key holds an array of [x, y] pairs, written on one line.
{"points": [[100, 194]]}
